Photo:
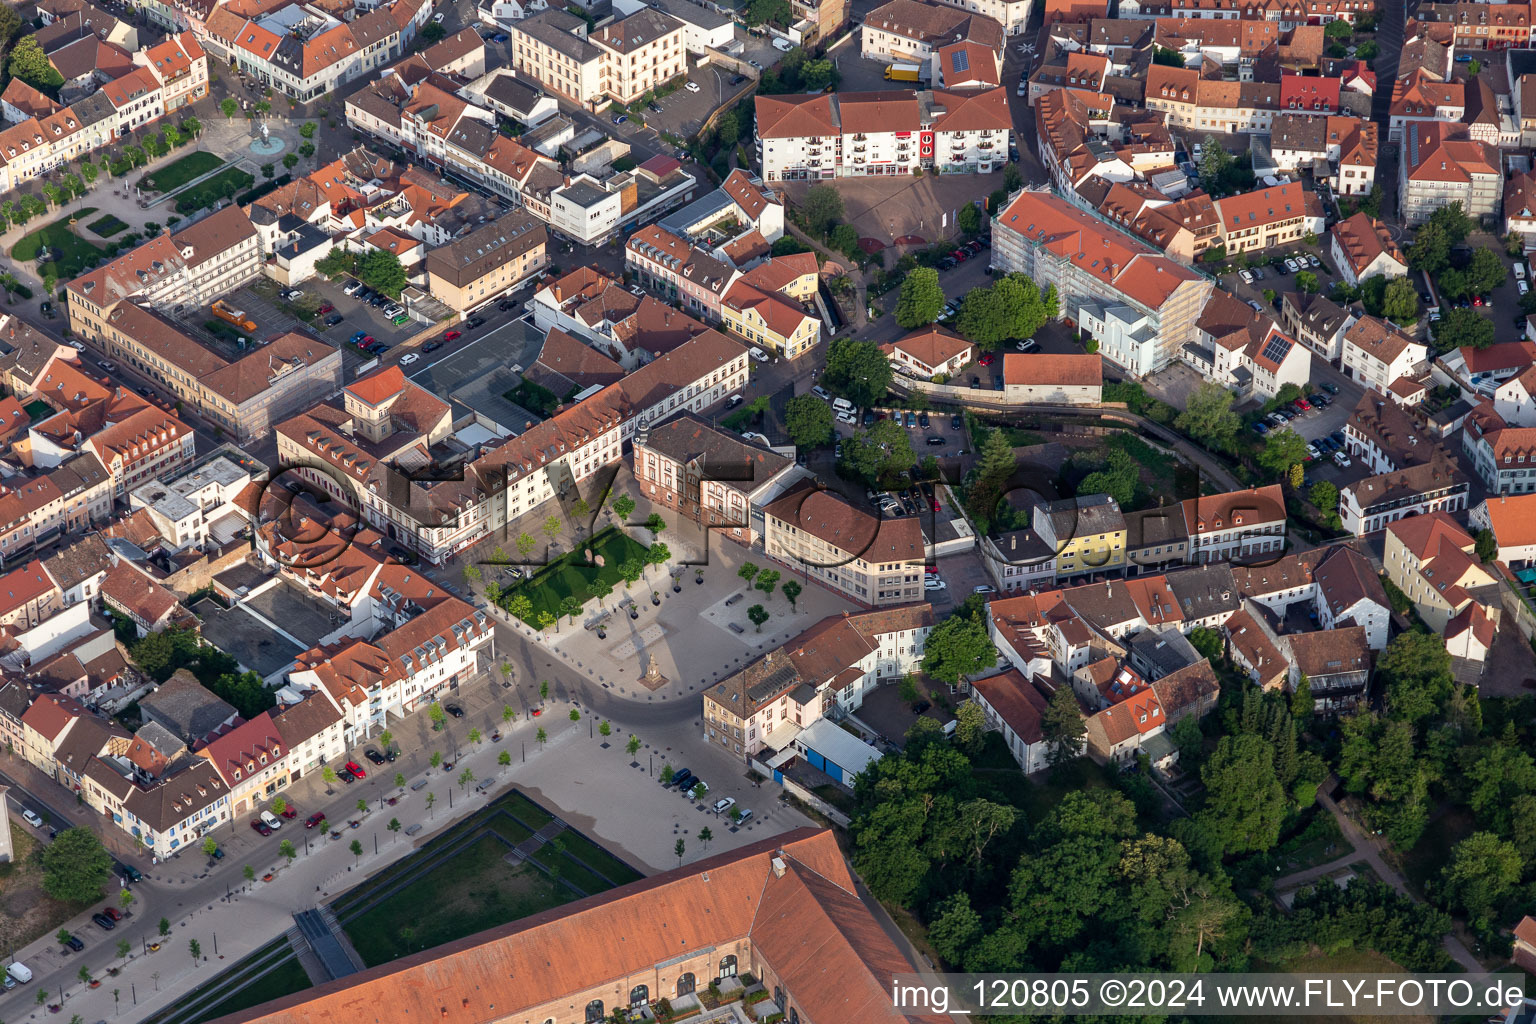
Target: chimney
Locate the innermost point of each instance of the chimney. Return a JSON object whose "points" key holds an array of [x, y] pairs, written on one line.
{"points": [[778, 867]]}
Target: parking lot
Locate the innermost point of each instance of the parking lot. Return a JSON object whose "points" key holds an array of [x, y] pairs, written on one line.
{"points": [[355, 315], [683, 112]]}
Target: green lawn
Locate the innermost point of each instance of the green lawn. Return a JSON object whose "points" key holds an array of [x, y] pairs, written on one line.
{"points": [[569, 869], [509, 829], [571, 575], [530, 813], [475, 890], [283, 980], [597, 858], [38, 409], [221, 186], [75, 254], [179, 172], [107, 226]]}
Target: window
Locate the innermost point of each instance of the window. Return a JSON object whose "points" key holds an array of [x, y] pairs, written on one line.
{"points": [[595, 1011], [728, 967], [639, 996], [685, 985]]}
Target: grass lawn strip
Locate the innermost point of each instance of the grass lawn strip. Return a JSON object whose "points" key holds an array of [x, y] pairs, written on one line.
{"points": [[568, 869], [285, 979], [107, 226], [177, 173], [524, 809], [599, 859], [571, 575], [221, 186], [75, 253], [469, 893], [509, 829]]}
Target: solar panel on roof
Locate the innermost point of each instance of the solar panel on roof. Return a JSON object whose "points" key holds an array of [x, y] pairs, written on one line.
{"points": [[1276, 347], [960, 60]]}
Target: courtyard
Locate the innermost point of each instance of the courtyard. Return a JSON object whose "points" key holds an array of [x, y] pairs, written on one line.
{"points": [[917, 209]]}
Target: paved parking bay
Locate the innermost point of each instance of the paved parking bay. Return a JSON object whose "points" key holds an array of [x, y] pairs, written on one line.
{"points": [[682, 112], [359, 316]]}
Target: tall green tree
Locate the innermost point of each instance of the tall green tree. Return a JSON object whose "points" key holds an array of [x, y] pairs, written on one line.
{"points": [[1208, 417], [1062, 725], [30, 64], [75, 866], [922, 298], [823, 205], [859, 370], [1483, 872], [880, 450], [808, 420], [1245, 803], [958, 646], [1282, 450]]}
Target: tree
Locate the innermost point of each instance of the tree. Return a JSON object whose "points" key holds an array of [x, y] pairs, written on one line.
{"points": [[1282, 450], [357, 847], [431, 799], [525, 545], [437, 715], [307, 129], [748, 571], [1338, 30], [1207, 642], [196, 949], [921, 301], [381, 271], [605, 730], [362, 805], [601, 589], [394, 823], [1487, 546], [1417, 671], [1306, 282], [808, 420], [1168, 58], [657, 554], [541, 735], [504, 758], [791, 590], [655, 523], [1460, 328], [1245, 803], [766, 581], [1486, 271], [210, 847], [520, 606], [285, 848], [678, 848], [400, 780], [436, 759], [466, 777], [958, 646], [124, 947], [1012, 308], [474, 736], [758, 615], [551, 526], [164, 927], [1062, 725], [544, 689], [1208, 417], [75, 866], [386, 739], [623, 506], [883, 449], [1118, 479], [1483, 871], [1430, 250], [706, 836], [433, 32], [270, 171], [279, 805], [1325, 496], [30, 64], [858, 369], [823, 203], [969, 219]]}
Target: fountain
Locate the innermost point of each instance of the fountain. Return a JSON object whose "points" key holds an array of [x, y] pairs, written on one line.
{"points": [[265, 143]]}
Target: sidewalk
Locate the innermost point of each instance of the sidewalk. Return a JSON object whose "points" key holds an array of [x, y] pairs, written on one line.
{"points": [[254, 914]]}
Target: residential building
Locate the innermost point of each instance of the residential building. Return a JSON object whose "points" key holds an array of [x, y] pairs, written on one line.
{"points": [[1317, 322], [486, 264], [1422, 97], [675, 270], [1511, 518], [1014, 707], [1244, 350], [1019, 560], [709, 475], [620, 61], [933, 35], [1087, 534], [873, 560], [929, 352], [1376, 353], [1429, 558], [1265, 218], [1350, 593], [1368, 505], [834, 663], [1362, 247], [769, 318], [1240, 527], [1095, 267], [1442, 164], [252, 761], [1503, 456], [1194, 103], [28, 595], [1520, 201], [882, 133], [1336, 664]]}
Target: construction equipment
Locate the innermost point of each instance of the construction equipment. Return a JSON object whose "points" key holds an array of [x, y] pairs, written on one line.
{"points": [[222, 310]]}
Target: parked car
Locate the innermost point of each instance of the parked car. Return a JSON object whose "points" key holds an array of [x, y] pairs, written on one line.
{"points": [[334, 319], [920, 707], [1329, 387], [270, 820], [31, 817], [738, 79], [74, 943], [454, 710], [356, 770], [986, 359], [326, 308], [1246, 276], [956, 421], [1341, 459], [374, 756], [432, 346], [621, 119], [936, 441], [934, 583], [104, 922], [692, 86], [477, 321], [313, 820], [260, 826], [724, 804]]}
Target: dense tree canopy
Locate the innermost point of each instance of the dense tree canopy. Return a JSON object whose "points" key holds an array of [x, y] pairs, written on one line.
{"points": [[921, 300], [858, 370], [76, 866]]}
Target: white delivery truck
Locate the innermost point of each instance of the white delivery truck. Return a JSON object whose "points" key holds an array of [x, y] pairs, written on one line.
{"points": [[20, 971]]}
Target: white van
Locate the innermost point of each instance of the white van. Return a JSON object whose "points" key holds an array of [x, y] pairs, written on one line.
{"points": [[842, 405], [20, 971]]}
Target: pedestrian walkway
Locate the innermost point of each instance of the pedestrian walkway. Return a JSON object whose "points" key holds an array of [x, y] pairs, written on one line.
{"points": [[330, 944]]}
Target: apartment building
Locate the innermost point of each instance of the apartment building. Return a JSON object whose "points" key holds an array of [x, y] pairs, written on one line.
{"points": [[1362, 247], [69, 498], [1377, 354], [439, 518], [180, 66], [621, 61], [677, 271], [882, 133], [1012, 15], [480, 267], [1239, 527], [1094, 265], [1429, 558], [1511, 518], [1209, 104], [1480, 26], [870, 559], [709, 475], [1368, 505], [1281, 215], [1442, 164], [929, 352], [1014, 706], [1503, 456], [1087, 534], [769, 319], [1421, 97], [1317, 322]]}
